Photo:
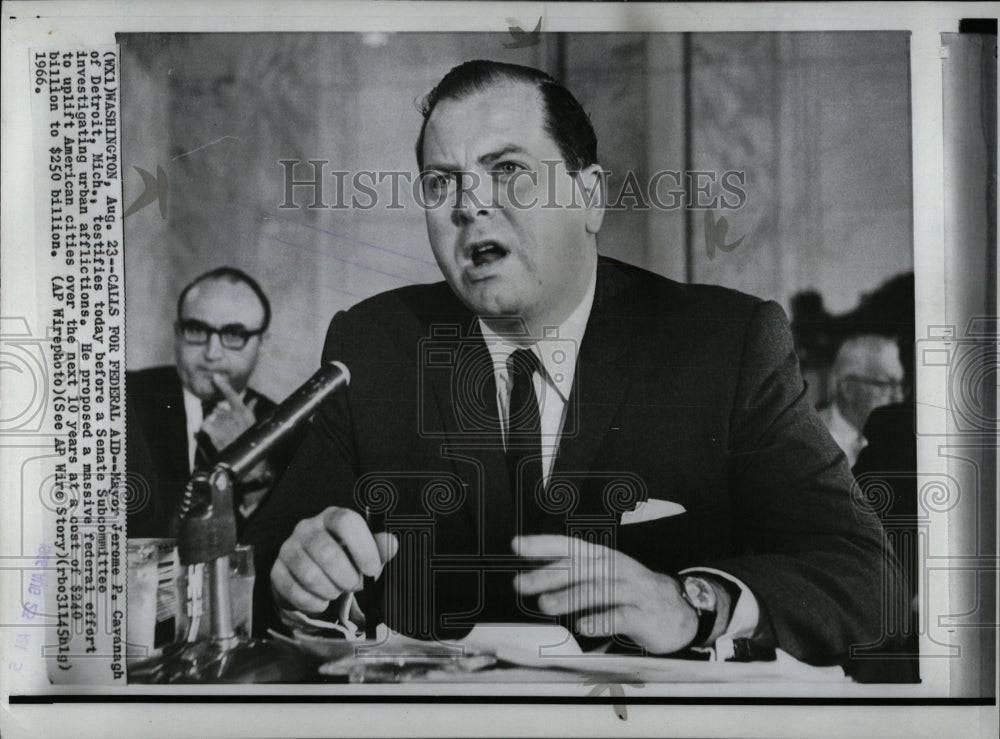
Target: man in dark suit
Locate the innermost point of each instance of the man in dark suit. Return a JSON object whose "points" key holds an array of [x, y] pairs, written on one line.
{"points": [[179, 417], [552, 435], [886, 472]]}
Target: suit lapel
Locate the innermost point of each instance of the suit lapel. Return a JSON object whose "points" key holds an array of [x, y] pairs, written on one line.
{"points": [[167, 432], [601, 378], [175, 423], [466, 400], [465, 395]]}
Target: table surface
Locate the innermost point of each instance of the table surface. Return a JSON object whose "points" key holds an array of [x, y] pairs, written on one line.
{"points": [[519, 653]]}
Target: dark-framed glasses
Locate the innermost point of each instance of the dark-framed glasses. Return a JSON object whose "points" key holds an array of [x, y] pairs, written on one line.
{"points": [[887, 386], [232, 336]]}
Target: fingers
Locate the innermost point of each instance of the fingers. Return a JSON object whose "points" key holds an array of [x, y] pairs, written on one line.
{"points": [[221, 383], [584, 578], [351, 531], [575, 561], [326, 556], [585, 596], [555, 576], [608, 623], [561, 590], [554, 546], [231, 417], [288, 590], [319, 564], [387, 545], [649, 611]]}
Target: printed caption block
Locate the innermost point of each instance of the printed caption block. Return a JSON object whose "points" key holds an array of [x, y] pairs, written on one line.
{"points": [[78, 217]]}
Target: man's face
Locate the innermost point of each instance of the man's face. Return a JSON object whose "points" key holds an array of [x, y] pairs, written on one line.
{"points": [[876, 382], [218, 303], [500, 258]]}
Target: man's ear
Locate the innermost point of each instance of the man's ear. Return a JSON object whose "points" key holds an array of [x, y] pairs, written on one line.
{"points": [[592, 180], [845, 392]]}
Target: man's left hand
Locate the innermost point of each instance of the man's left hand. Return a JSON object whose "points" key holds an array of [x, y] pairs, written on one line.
{"points": [[228, 420], [615, 593]]}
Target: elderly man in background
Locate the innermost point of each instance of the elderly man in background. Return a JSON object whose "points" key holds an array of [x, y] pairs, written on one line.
{"points": [[181, 416], [866, 374]]}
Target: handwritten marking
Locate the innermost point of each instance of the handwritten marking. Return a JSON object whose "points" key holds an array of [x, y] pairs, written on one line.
{"points": [[715, 235], [205, 146], [521, 37], [154, 188], [615, 690]]}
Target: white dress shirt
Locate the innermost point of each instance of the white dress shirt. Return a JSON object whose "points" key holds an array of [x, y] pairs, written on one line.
{"points": [[194, 417], [558, 349], [848, 438]]}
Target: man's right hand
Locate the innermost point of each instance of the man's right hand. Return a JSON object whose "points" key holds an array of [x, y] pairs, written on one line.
{"points": [[328, 555]]}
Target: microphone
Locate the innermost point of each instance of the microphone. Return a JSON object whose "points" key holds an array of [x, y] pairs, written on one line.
{"points": [[256, 443], [206, 525], [207, 536]]}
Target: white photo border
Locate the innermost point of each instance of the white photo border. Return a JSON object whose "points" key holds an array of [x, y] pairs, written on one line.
{"points": [[56, 24]]}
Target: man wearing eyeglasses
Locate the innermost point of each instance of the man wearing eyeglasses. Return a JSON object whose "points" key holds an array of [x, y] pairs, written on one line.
{"points": [[866, 374], [180, 417]]}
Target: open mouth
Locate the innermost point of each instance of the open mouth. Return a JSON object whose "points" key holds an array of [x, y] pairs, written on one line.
{"points": [[486, 252]]}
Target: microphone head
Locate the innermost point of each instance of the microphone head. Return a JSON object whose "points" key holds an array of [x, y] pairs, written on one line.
{"points": [[343, 368]]}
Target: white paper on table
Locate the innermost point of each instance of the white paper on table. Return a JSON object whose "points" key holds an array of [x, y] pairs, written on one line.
{"points": [[523, 644], [552, 650], [549, 646]]}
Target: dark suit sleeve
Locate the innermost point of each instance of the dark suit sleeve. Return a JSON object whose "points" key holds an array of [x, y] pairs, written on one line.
{"points": [[815, 557], [321, 473]]}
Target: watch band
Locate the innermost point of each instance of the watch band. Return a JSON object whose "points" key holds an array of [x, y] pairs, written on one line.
{"points": [[746, 650]]}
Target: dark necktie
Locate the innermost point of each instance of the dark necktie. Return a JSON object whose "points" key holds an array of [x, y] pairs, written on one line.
{"points": [[524, 440], [204, 451]]}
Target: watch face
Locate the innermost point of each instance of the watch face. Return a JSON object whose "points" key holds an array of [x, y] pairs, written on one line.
{"points": [[700, 593]]}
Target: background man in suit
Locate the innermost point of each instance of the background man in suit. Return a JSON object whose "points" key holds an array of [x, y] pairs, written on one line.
{"points": [[866, 373], [551, 435], [886, 472], [179, 417]]}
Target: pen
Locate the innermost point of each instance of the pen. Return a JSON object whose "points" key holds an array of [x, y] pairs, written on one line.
{"points": [[373, 606]]}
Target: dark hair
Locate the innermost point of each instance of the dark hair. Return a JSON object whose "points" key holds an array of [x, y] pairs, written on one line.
{"points": [[565, 119], [230, 274]]}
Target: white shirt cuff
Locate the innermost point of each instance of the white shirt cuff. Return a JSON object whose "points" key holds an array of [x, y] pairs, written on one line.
{"points": [[742, 621]]}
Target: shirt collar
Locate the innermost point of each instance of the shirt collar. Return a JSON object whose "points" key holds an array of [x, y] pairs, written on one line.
{"points": [[557, 349], [192, 410]]}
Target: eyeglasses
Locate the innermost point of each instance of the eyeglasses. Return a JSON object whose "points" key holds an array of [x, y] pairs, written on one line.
{"points": [[232, 336], [893, 386]]}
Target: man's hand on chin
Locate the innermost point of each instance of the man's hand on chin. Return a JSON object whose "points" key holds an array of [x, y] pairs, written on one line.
{"points": [[614, 593], [228, 420]]}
